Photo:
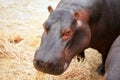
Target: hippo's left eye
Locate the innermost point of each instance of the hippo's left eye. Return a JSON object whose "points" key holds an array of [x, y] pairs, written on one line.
{"points": [[67, 34], [46, 27]]}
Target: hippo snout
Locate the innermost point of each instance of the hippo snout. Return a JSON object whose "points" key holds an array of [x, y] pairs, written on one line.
{"points": [[42, 64], [50, 67]]}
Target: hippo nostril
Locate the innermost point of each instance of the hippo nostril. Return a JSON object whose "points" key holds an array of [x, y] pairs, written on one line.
{"points": [[40, 63], [48, 64], [36, 62]]}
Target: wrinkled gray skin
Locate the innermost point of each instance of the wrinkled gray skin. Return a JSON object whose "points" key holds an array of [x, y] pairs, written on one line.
{"points": [[112, 65], [66, 35]]}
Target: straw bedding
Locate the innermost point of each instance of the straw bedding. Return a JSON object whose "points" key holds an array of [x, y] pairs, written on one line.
{"points": [[20, 34]]}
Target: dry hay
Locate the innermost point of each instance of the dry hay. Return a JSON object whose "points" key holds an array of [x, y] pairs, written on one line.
{"points": [[20, 33]]}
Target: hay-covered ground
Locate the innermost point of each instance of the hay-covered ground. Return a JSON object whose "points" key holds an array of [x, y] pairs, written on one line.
{"points": [[20, 33]]}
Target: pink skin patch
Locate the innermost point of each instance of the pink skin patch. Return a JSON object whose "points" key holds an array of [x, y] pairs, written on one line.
{"points": [[79, 23], [65, 66]]}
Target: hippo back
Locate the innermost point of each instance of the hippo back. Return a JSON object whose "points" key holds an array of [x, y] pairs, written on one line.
{"points": [[112, 65]]}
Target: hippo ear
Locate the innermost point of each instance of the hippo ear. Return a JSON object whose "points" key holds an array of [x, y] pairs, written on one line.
{"points": [[81, 15], [50, 9]]}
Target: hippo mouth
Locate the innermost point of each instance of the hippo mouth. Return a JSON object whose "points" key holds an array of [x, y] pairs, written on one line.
{"points": [[54, 69]]}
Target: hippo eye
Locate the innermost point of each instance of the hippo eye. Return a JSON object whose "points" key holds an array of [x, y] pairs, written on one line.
{"points": [[46, 27], [67, 34]]}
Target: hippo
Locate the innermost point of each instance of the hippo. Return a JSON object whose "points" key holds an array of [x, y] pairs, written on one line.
{"points": [[112, 64], [74, 26]]}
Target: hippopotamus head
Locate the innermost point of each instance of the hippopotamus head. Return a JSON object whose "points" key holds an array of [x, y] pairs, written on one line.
{"points": [[66, 33]]}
